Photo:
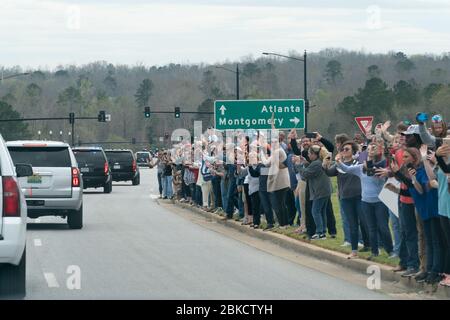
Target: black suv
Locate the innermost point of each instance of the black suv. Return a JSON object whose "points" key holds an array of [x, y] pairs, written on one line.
{"points": [[123, 165], [94, 168]]}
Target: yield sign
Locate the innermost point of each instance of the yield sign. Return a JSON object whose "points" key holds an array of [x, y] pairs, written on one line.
{"points": [[364, 124]]}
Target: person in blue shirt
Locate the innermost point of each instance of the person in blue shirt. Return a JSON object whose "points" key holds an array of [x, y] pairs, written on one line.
{"points": [[425, 195], [376, 213]]}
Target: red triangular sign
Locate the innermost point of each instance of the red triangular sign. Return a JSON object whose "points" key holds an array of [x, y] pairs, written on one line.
{"points": [[365, 124]]}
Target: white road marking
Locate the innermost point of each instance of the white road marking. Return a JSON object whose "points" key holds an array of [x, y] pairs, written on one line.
{"points": [[37, 220], [154, 196], [51, 280], [37, 243]]}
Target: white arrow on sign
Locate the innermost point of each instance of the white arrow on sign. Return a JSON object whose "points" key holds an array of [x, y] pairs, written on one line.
{"points": [[295, 120], [222, 109]]}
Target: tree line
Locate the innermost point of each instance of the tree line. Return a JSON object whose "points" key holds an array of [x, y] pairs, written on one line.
{"points": [[341, 85]]}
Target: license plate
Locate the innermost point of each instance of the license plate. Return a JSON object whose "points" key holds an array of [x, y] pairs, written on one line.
{"points": [[84, 169], [36, 203], [34, 179], [116, 166]]}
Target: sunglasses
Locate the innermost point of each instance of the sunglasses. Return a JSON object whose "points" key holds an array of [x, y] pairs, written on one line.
{"points": [[436, 118], [346, 149], [407, 122]]}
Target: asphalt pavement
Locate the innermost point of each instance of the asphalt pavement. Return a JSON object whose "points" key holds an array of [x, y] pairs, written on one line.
{"points": [[133, 248]]}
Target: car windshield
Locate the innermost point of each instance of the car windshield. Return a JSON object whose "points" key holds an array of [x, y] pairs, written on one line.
{"points": [[142, 155], [41, 156], [89, 157], [119, 156]]}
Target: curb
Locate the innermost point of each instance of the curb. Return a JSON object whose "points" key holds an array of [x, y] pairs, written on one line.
{"points": [[305, 248]]}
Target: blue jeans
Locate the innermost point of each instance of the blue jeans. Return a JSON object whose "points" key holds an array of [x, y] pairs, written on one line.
{"points": [[345, 222], [224, 193], [396, 230], [167, 189], [433, 242], [216, 189], [264, 198], [232, 201], [352, 209], [319, 213], [377, 217], [160, 184], [409, 245]]}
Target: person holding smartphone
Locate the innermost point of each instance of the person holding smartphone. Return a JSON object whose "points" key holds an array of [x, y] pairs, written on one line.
{"points": [[443, 175], [425, 197], [319, 187], [349, 191], [375, 211]]}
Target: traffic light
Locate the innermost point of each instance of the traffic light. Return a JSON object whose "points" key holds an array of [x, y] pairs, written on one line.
{"points": [[147, 112], [177, 112], [71, 117], [101, 116]]}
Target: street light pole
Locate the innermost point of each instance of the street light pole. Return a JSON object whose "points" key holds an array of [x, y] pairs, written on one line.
{"points": [[305, 94], [237, 81], [237, 77], [305, 89]]}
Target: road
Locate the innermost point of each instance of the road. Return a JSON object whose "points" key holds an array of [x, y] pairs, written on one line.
{"points": [[133, 248]]}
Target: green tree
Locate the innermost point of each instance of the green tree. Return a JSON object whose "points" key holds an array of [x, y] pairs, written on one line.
{"points": [[206, 106], [439, 74], [209, 85], [143, 93], [9, 98], [38, 75], [403, 64], [333, 72], [349, 105], [251, 70], [110, 84], [70, 98], [406, 93], [13, 130], [375, 98], [33, 93], [61, 74], [440, 101], [430, 90], [373, 71]]}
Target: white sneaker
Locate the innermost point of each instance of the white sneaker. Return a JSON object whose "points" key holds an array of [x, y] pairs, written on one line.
{"points": [[346, 244], [360, 245]]}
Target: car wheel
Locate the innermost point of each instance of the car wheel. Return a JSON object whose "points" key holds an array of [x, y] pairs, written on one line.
{"points": [[108, 187], [137, 180], [13, 279], [75, 219]]}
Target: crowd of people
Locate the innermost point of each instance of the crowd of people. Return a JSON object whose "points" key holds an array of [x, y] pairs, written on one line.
{"points": [[287, 179]]}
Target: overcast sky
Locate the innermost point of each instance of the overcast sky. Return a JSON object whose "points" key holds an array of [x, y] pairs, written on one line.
{"points": [[47, 33]]}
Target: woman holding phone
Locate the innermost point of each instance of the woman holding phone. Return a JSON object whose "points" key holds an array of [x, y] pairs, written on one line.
{"points": [[349, 190], [425, 195], [375, 211]]}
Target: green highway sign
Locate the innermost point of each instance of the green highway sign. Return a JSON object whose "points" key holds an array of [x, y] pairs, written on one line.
{"points": [[257, 114]]}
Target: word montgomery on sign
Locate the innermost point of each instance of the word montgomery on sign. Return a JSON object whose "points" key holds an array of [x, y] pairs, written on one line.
{"points": [[257, 114]]}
